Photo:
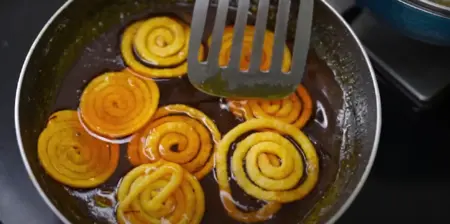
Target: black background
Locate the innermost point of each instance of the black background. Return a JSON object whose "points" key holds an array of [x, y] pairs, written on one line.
{"points": [[409, 182]]}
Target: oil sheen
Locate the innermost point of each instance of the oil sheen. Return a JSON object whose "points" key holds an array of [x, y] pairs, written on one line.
{"points": [[103, 55]]}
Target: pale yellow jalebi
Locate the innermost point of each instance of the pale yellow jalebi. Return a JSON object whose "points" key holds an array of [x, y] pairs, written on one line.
{"points": [[161, 192], [188, 130], [161, 42], [73, 157], [266, 166]]}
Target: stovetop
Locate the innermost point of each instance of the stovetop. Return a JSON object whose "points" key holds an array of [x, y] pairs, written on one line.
{"points": [[420, 70], [409, 181]]}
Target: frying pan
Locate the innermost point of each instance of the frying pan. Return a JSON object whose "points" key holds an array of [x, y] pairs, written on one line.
{"points": [[345, 127]]}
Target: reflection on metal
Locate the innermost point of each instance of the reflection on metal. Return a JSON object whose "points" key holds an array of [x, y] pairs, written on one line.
{"points": [[321, 115]]}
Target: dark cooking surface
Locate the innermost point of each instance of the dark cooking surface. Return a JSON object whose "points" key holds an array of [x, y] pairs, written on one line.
{"points": [[103, 54], [409, 182]]}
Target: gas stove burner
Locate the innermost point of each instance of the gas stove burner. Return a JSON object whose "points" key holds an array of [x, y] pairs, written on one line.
{"points": [[419, 70]]}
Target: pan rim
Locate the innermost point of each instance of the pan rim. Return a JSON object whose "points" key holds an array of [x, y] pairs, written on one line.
{"points": [[16, 114], [374, 151], [334, 217]]}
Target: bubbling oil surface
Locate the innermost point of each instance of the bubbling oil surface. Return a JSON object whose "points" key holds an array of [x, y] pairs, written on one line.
{"points": [[103, 55]]}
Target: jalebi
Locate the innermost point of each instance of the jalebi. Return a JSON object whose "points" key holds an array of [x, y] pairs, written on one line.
{"points": [[266, 166], [117, 104], [158, 192], [187, 130], [295, 109], [160, 42], [246, 52], [73, 157]]}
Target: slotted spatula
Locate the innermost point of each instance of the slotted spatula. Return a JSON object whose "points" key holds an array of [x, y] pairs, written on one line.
{"points": [[230, 81]]}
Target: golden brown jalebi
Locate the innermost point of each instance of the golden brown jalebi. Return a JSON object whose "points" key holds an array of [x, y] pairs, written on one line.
{"points": [[246, 52], [161, 192], [117, 104], [73, 157], [295, 109], [256, 169], [62, 116], [178, 126], [162, 42]]}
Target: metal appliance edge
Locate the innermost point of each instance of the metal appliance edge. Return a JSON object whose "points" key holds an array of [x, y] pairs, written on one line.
{"points": [[418, 19]]}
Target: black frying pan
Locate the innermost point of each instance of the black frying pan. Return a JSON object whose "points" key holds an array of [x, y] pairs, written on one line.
{"points": [[70, 50]]}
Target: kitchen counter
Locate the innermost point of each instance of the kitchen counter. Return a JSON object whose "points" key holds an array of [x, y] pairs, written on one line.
{"points": [[409, 182]]}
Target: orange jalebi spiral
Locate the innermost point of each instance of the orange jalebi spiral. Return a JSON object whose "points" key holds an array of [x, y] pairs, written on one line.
{"points": [[161, 192], [73, 157], [246, 52], [295, 109], [266, 166], [189, 130], [162, 42], [117, 104]]}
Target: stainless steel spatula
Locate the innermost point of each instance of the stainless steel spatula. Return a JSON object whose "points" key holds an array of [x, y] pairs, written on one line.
{"points": [[229, 81]]}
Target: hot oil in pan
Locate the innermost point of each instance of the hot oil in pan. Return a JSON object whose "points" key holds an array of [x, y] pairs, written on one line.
{"points": [[103, 55]]}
